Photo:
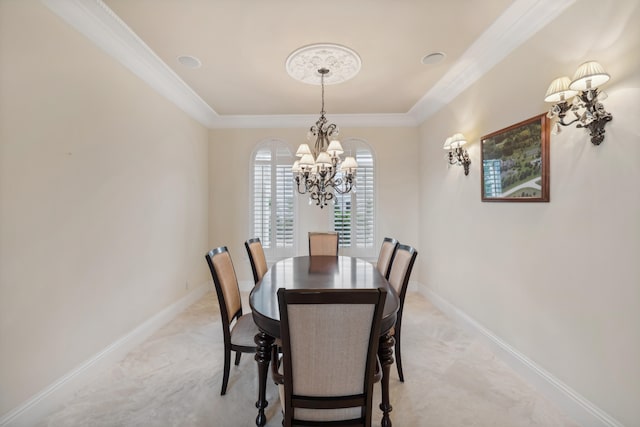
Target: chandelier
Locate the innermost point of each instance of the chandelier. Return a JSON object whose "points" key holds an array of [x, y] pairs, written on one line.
{"points": [[321, 172]]}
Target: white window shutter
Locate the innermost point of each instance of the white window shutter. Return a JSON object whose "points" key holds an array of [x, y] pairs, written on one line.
{"points": [[354, 212], [273, 199], [364, 200], [262, 197]]}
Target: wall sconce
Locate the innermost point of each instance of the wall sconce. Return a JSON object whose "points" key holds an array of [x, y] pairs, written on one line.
{"points": [[457, 155], [580, 96]]}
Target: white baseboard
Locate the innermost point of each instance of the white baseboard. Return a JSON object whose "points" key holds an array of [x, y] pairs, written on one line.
{"points": [[47, 400], [579, 409]]}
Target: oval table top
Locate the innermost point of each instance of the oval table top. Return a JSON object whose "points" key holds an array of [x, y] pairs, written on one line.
{"points": [[317, 272]]}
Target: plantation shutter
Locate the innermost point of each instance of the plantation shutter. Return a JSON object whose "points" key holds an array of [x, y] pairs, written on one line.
{"points": [[364, 230], [273, 199], [354, 212], [284, 211], [262, 197], [342, 219]]}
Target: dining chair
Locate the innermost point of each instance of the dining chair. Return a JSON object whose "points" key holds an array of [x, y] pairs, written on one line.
{"points": [[399, 274], [238, 330], [256, 257], [385, 257], [323, 243], [329, 357]]}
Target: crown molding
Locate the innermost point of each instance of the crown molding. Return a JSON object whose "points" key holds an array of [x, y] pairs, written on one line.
{"points": [[96, 21], [517, 24]]}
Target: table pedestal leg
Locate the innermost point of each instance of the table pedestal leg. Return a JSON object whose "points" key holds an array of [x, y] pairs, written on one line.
{"points": [[385, 353], [263, 356]]}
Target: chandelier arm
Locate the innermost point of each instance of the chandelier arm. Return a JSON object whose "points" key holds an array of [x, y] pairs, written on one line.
{"points": [[452, 159], [297, 180], [308, 185], [347, 189], [301, 191], [330, 179], [563, 123], [348, 185]]}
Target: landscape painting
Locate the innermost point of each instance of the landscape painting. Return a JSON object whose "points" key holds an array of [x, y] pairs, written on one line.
{"points": [[515, 162]]}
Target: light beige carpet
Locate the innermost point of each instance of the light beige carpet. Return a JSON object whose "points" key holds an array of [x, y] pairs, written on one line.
{"points": [[174, 379]]}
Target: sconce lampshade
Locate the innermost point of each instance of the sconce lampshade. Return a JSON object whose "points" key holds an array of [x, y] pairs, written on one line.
{"points": [[447, 144], [559, 90], [589, 75], [458, 140]]}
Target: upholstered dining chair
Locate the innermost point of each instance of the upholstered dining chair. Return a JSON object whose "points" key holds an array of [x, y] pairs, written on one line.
{"points": [[399, 275], [385, 257], [329, 355], [238, 330], [323, 243], [256, 257]]}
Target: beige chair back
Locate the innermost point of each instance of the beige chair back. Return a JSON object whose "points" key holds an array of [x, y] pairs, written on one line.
{"points": [[257, 258], [385, 257], [323, 243], [329, 344], [401, 268], [226, 282]]}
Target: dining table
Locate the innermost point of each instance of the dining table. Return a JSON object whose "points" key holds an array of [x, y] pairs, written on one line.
{"points": [[318, 272]]}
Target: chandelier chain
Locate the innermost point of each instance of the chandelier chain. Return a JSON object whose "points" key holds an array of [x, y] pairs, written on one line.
{"points": [[322, 85]]}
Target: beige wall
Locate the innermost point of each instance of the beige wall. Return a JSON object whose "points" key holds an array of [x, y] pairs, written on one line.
{"points": [[229, 186], [558, 281], [103, 201]]}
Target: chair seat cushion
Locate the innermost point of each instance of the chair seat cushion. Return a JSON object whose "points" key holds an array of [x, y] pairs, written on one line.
{"points": [[244, 331]]}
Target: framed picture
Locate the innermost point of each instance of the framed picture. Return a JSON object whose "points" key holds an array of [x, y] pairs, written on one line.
{"points": [[515, 162]]}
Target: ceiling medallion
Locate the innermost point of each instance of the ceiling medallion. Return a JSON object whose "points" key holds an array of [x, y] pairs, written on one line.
{"points": [[343, 63]]}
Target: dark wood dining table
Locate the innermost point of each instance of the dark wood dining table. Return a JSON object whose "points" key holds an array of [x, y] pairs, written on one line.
{"points": [[318, 272]]}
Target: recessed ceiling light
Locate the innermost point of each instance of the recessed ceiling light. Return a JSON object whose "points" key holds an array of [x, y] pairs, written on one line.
{"points": [[189, 61], [433, 58]]}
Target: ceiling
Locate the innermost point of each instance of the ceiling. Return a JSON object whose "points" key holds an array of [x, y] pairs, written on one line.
{"points": [[243, 46]]}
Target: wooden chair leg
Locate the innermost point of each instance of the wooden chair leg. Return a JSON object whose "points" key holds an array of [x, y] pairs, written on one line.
{"points": [[397, 351], [238, 354], [227, 367]]}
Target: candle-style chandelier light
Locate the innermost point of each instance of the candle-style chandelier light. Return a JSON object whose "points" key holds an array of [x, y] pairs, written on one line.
{"points": [[321, 171]]}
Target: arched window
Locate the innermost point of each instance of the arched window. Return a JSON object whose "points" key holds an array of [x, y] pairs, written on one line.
{"points": [[273, 198], [354, 212]]}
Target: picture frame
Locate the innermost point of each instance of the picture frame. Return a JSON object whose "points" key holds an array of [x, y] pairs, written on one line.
{"points": [[515, 162]]}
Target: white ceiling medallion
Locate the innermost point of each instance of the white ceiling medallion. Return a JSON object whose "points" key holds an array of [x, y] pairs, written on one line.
{"points": [[343, 63]]}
